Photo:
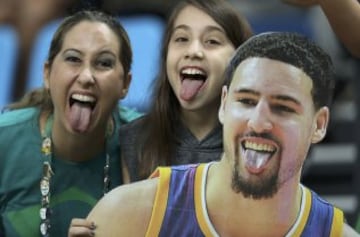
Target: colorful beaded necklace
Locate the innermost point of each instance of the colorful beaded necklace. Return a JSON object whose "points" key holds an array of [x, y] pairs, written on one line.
{"points": [[45, 210]]}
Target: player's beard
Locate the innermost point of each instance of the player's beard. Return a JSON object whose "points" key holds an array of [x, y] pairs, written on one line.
{"points": [[262, 186]]}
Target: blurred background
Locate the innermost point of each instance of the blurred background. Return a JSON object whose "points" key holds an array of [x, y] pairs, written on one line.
{"points": [[332, 169]]}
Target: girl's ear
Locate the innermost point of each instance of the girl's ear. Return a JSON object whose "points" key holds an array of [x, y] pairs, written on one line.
{"points": [[221, 113], [321, 124]]}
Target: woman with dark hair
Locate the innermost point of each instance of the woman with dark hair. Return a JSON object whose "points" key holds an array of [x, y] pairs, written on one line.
{"points": [[59, 144]]}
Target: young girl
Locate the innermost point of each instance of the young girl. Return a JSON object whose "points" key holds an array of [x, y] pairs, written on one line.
{"points": [[182, 125]]}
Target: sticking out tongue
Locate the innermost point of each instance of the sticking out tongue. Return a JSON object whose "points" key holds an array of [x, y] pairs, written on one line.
{"points": [[255, 161], [80, 117], [190, 88]]}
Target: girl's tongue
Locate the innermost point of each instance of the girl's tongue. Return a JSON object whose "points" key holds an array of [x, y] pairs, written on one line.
{"points": [[189, 88], [80, 115]]}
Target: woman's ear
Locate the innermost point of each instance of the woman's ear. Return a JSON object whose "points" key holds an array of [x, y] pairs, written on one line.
{"points": [[125, 85], [221, 113], [321, 124]]}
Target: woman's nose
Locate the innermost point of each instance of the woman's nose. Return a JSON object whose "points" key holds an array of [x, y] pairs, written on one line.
{"points": [[86, 76]]}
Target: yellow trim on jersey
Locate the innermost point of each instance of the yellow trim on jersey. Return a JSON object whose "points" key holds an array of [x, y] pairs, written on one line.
{"points": [[199, 208], [160, 202], [304, 214], [337, 223]]}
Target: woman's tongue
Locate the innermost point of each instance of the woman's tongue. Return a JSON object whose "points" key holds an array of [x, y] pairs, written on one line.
{"points": [[80, 116], [189, 88]]}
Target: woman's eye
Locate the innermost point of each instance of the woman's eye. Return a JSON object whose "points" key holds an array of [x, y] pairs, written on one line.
{"points": [[105, 63], [72, 59]]}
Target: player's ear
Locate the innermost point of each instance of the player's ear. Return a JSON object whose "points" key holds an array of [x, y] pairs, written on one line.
{"points": [[321, 124]]}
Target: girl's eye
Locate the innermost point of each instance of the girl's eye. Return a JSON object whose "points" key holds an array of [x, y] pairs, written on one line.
{"points": [[213, 41], [180, 39]]}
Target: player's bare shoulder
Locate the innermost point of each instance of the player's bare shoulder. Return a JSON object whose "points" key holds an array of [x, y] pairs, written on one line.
{"points": [[126, 210]]}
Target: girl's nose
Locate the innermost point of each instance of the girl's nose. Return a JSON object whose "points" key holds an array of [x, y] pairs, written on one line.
{"points": [[195, 50]]}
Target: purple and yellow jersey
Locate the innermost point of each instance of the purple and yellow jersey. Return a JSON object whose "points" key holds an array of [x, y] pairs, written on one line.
{"points": [[180, 207]]}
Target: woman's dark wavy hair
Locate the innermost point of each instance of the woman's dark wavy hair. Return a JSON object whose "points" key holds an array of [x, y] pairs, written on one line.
{"points": [[294, 49], [157, 140], [41, 97]]}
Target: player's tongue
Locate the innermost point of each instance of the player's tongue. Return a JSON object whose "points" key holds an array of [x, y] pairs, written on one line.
{"points": [[80, 116], [190, 88], [255, 160]]}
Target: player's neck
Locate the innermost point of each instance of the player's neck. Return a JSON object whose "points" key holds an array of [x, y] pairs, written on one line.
{"points": [[254, 217]]}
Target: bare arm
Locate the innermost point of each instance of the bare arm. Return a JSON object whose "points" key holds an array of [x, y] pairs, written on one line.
{"points": [[125, 211], [344, 18], [85, 228]]}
